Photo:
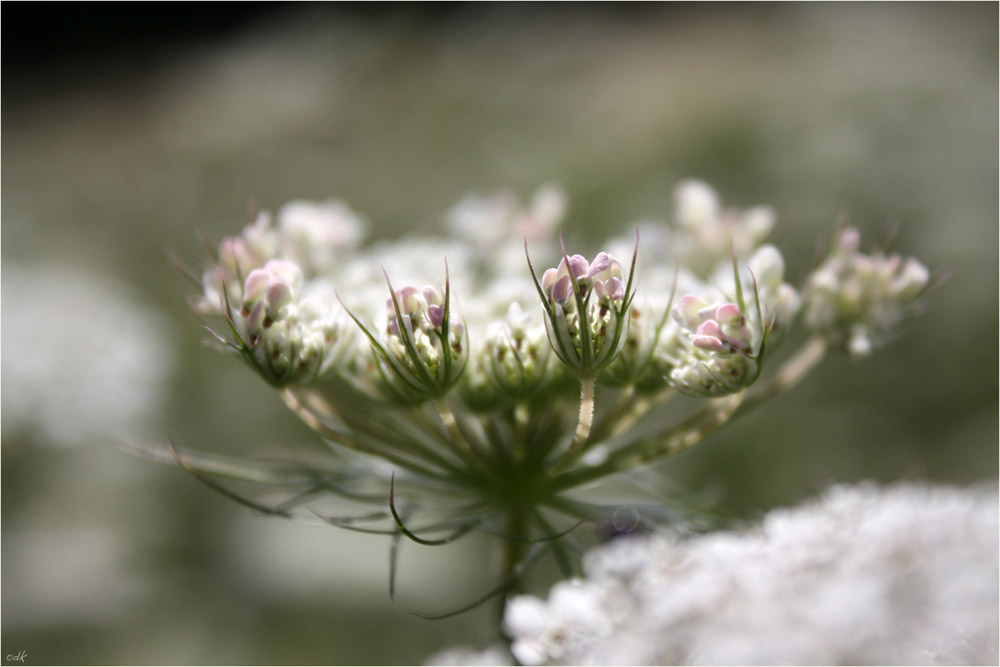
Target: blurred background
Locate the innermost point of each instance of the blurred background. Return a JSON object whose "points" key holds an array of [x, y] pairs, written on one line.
{"points": [[128, 128]]}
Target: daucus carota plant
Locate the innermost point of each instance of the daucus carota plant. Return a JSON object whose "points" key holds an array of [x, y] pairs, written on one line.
{"points": [[511, 374]]}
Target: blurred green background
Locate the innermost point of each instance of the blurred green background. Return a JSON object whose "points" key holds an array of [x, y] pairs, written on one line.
{"points": [[127, 129]]}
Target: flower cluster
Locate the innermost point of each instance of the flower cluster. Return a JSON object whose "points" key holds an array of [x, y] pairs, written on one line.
{"points": [[913, 581], [857, 301], [720, 357], [516, 354], [425, 348], [290, 331], [487, 416], [586, 307]]}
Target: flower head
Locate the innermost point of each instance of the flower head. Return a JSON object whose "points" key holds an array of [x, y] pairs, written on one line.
{"points": [[518, 354], [714, 353], [425, 347], [858, 301], [586, 306]]}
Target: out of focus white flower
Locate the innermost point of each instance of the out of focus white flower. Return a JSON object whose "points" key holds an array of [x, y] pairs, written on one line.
{"points": [[464, 655], [488, 219], [314, 234], [83, 360], [863, 575], [706, 233]]}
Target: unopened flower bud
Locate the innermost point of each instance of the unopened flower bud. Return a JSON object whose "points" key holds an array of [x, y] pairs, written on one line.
{"points": [[518, 354], [425, 346], [586, 333]]}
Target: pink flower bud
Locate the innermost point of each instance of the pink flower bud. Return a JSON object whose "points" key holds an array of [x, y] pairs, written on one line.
{"points": [[604, 267], [708, 343], [578, 265], [728, 313], [686, 310], [279, 295], [609, 290], [411, 300], [432, 296], [710, 328], [549, 278], [435, 314], [707, 313], [562, 290], [290, 271], [255, 287]]}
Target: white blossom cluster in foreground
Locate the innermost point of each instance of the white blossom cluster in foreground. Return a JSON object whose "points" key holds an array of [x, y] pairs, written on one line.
{"points": [[904, 575]]}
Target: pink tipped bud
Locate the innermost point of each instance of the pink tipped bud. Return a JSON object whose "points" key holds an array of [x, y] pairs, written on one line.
{"points": [[728, 313], [279, 295], [578, 265], [290, 271], [710, 343], [562, 290], [611, 289], [435, 314], [616, 289], [410, 300], [549, 278], [432, 296], [710, 328], [686, 310], [601, 263], [256, 285], [604, 267], [707, 313]]}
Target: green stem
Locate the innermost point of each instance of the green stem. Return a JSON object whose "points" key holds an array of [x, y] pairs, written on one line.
{"points": [[644, 451], [586, 412], [513, 554], [346, 440], [790, 373], [638, 408], [450, 425], [583, 424], [460, 444]]}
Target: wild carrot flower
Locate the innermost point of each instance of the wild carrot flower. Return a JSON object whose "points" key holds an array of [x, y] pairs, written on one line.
{"points": [[493, 415]]}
